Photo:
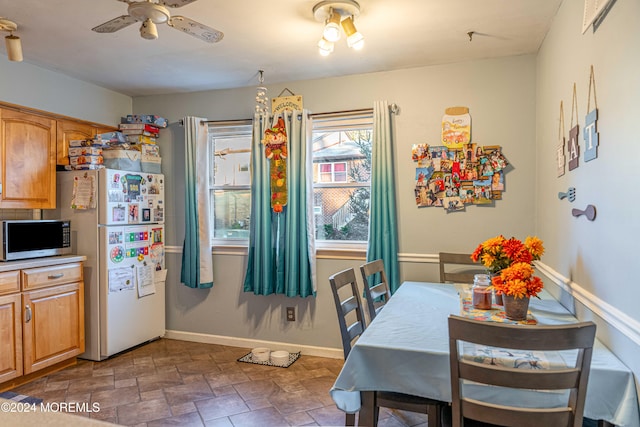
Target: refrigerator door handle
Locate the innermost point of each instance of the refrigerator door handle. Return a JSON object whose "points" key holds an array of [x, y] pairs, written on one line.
{"points": [[27, 310]]}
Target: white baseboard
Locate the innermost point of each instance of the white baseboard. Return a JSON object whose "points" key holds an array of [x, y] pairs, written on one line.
{"points": [[616, 318], [307, 350]]}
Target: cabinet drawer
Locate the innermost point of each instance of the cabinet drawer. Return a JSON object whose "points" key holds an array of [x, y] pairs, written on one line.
{"points": [[34, 278], [9, 282]]}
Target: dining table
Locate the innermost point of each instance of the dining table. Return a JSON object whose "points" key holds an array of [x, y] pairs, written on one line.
{"points": [[405, 349]]}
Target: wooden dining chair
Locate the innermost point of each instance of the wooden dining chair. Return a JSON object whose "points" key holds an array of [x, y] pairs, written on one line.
{"points": [[571, 379], [458, 268], [344, 287], [376, 292]]}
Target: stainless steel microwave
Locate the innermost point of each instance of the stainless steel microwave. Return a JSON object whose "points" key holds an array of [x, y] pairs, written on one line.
{"points": [[22, 239]]}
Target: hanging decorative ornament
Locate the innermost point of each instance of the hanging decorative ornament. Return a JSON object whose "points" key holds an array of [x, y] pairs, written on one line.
{"points": [[590, 127], [574, 148], [262, 106], [275, 142]]}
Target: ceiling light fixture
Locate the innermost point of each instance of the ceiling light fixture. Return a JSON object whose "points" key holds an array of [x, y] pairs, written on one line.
{"points": [[148, 30], [355, 39], [335, 14], [12, 43], [331, 30]]}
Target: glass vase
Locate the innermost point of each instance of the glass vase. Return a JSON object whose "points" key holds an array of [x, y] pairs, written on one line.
{"points": [[515, 308], [496, 297]]}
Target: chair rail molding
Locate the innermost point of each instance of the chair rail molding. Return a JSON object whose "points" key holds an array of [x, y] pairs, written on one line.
{"points": [[616, 318]]}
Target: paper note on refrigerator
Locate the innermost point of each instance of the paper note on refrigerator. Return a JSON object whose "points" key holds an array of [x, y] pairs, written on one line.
{"points": [[121, 279], [145, 275], [84, 192]]}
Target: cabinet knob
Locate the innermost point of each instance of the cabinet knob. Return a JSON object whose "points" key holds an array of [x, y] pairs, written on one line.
{"points": [[27, 310], [56, 276]]}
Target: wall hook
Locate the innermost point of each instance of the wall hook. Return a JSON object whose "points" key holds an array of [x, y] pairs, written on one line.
{"points": [[470, 34], [589, 212]]}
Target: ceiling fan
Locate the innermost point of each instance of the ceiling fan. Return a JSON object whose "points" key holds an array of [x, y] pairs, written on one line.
{"points": [[151, 12]]}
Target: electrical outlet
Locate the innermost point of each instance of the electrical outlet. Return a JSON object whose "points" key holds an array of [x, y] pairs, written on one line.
{"points": [[291, 314]]}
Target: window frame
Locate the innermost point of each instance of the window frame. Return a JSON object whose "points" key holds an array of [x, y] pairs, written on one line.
{"points": [[340, 249], [334, 122], [219, 129]]}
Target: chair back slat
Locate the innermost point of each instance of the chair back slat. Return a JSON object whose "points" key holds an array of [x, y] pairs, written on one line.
{"points": [[458, 268], [376, 288]]}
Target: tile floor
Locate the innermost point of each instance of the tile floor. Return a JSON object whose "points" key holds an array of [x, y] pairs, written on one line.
{"points": [[179, 383]]}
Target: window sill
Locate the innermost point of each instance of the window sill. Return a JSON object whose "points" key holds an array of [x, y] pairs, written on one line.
{"points": [[356, 251]]}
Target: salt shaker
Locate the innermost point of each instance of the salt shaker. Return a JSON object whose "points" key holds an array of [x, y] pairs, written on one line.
{"points": [[481, 292]]}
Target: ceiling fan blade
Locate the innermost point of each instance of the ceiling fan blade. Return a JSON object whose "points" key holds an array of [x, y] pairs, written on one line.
{"points": [[195, 29], [115, 24], [174, 3]]}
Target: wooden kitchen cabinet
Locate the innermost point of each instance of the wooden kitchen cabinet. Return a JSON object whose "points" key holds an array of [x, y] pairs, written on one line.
{"points": [[41, 322], [68, 130], [53, 328], [27, 160], [10, 337]]}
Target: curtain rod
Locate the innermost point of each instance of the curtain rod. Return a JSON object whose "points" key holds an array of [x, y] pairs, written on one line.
{"points": [[392, 107]]}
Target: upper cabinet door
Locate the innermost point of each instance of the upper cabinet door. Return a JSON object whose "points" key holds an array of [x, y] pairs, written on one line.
{"points": [[27, 161], [67, 131]]}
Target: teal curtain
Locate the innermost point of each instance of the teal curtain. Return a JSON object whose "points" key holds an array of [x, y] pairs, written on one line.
{"points": [[282, 246], [383, 223], [197, 262]]}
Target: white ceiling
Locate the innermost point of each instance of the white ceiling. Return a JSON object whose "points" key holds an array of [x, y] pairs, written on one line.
{"points": [[277, 36]]}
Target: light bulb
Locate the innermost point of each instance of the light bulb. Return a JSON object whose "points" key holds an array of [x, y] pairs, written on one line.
{"points": [[332, 27], [355, 39], [325, 47]]}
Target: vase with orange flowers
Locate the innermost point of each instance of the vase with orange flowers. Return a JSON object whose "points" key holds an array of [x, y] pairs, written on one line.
{"points": [[499, 253], [517, 284]]}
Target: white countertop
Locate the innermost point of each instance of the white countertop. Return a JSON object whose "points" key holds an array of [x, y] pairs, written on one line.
{"points": [[40, 262]]}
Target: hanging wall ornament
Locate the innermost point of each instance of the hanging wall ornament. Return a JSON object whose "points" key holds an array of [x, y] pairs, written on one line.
{"points": [[262, 106], [275, 142], [590, 133], [456, 127], [574, 148], [560, 159]]}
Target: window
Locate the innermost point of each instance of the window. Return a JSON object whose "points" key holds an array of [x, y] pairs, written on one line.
{"points": [[342, 176], [332, 172], [230, 184]]}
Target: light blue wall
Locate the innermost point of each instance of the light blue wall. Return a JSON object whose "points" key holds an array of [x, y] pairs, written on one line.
{"points": [[596, 258], [501, 96]]}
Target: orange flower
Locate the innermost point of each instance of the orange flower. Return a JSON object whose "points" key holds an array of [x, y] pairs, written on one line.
{"points": [[518, 281], [498, 253], [534, 246]]}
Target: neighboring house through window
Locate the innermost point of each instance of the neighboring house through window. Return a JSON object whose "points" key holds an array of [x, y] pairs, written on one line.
{"points": [[342, 174]]}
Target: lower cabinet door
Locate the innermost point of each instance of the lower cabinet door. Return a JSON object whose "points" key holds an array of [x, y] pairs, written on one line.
{"points": [[10, 337], [53, 325]]}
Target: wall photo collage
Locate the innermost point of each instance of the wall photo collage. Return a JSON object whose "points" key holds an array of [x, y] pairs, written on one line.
{"points": [[459, 172]]}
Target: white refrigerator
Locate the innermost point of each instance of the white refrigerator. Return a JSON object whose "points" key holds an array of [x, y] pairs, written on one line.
{"points": [[117, 222]]}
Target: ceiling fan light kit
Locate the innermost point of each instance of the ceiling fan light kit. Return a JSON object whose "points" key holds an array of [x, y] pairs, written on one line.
{"points": [[12, 42], [151, 13], [335, 14], [149, 30]]}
